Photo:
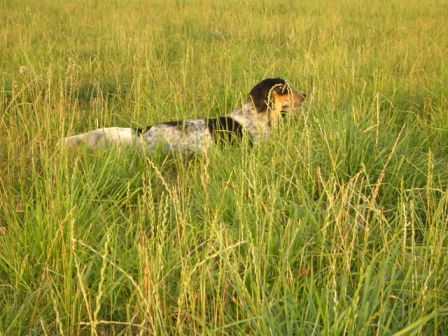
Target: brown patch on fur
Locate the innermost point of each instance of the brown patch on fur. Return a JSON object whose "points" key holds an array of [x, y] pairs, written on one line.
{"points": [[283, 99]]}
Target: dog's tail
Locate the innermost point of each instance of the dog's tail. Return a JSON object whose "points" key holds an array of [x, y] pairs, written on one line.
{"points": [[103, 137]]}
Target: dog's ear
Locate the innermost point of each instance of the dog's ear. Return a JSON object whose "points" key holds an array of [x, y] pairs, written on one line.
{"points": [[260, 92]]}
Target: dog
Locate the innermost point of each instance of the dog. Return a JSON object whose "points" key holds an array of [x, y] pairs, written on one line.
{"points": [[268, 101]]}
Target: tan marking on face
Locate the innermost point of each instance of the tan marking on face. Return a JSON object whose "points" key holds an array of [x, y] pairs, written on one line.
{"points": [[275, 112], [297, 99], [285, 102], [290, 98]]}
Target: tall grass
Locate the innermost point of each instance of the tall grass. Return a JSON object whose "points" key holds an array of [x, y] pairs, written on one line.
{"points": [[336, 226]]}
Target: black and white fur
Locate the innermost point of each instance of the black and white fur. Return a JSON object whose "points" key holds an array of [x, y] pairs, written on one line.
{"points": [[268, 101]]}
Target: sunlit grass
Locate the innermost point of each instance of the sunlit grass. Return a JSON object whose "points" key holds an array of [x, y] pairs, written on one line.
{"points": [[337, 225]]}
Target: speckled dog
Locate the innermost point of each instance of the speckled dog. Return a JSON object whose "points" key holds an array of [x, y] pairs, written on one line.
{"points": [[268, 101]]}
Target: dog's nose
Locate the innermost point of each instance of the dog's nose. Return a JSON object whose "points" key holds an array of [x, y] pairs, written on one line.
{"points": [[303, 94]]}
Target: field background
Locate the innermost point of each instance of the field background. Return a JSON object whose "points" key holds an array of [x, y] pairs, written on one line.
{"points": [[337, 226]]}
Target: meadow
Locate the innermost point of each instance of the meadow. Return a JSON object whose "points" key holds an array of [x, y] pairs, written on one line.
{"points": [[335, 226]]}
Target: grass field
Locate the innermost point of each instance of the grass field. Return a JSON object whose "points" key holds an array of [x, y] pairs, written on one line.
{"points": [[337, 226]]}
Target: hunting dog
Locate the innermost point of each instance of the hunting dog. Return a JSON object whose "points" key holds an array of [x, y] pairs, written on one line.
{"points": [[268, 101]]}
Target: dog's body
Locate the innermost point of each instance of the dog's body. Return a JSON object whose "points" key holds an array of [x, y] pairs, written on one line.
{"points": [[269, 100]]}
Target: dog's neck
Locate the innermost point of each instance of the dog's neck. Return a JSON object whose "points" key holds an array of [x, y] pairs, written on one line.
{"points": [[257, 124]]}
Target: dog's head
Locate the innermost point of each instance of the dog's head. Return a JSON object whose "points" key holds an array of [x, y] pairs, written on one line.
{"points": [[276, 95]]}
